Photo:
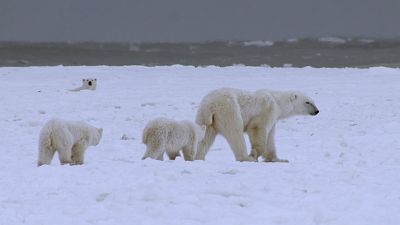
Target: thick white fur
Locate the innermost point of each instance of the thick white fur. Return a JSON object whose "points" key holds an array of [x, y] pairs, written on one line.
{"points": [[87, 84], [166, 135], [69, 138], [231, 112]]}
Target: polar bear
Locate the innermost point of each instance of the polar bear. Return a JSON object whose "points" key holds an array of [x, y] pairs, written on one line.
{"points": [[230, 112], [168, 135], [87, 84], [69, 138]]}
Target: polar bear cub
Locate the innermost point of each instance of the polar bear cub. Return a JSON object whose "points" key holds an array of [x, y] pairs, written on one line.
{"points": [[166, 135], [69, 138], [87, 84]]}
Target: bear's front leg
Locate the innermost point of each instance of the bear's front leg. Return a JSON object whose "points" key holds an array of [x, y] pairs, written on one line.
{"points": [[78, 154], [270, 152], [64, 154], [173, 154], [257, 138], [189, 152]]}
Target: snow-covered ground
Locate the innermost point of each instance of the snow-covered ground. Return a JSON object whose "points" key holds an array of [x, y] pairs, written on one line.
{"points": [[344, 163]]}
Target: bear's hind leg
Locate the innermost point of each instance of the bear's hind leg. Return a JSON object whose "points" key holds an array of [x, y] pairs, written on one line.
{"points": [[204, 145], [238, 145], [63, 142], [229, 123], [154, 152]]}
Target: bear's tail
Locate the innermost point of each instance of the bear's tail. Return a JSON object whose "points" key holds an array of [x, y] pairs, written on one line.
{"points": [[46, 151], [204, 116], [145, 134], [149, 131]]}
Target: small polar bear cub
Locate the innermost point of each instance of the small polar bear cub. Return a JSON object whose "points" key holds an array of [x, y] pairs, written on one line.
{"points": [[69, 138], [87, 84], [166, 135]]}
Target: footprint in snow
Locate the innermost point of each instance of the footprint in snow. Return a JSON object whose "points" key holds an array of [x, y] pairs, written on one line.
{"points": [[148, 104], [125, 137], [186, 172], [230, 172], [226, 194], [101, 197]]}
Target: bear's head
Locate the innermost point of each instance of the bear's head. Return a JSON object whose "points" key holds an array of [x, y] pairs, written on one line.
{"points": [[89, 83], [98, 133], [302, 104]]}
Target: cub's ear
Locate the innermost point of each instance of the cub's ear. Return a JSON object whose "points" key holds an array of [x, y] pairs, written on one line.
{"points": [[293, 97], [100, 130]]}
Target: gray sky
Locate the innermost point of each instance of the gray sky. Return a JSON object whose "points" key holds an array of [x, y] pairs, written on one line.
{"points": [[200, 20]]}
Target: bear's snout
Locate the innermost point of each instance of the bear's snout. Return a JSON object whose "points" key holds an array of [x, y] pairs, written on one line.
{"points": [[90, 83], [315, 112]]}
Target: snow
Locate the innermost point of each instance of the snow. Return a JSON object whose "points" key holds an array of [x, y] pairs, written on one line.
{"points": [[292, 40], [343, 164], [334, 40], [259, 43], [366, 41]]}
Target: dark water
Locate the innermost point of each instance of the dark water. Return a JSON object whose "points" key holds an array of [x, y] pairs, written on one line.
{"points": [[296, 53]]}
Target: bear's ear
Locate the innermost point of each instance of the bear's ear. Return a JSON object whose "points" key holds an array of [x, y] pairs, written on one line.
{"points": [[95, 79], [293, 97], [100, 131], [83, 80]]}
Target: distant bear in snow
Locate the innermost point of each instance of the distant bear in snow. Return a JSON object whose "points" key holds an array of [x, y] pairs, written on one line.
{"points": [[230, 112], [69, 138], [87, 84], [166, 135]]}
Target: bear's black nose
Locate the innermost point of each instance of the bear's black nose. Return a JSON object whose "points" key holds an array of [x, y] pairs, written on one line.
{"points": [[316, 112], [90, 83]]}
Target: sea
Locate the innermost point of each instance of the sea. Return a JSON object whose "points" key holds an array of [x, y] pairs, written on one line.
{"points": [[313, 52]]}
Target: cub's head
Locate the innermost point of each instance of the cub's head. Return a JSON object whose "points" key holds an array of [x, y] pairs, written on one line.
{"points": [[302, 104], [89, 83], [98, 133]]}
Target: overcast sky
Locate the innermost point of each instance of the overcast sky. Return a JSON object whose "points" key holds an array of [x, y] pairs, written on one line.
{"points": [[200, 20]]}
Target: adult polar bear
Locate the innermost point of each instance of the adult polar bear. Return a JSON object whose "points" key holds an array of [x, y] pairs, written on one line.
{"points": [[230, 112]]}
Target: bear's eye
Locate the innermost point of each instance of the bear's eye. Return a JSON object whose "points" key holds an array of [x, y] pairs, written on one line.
{"points": [[307, 103]]}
